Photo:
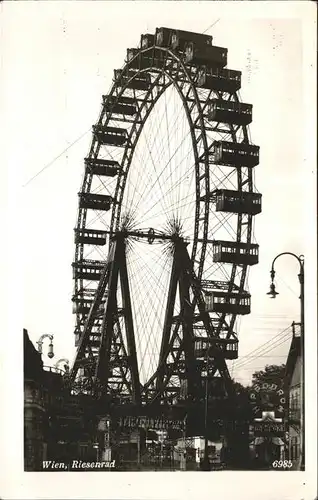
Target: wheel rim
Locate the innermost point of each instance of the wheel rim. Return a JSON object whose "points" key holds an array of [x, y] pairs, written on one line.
{"points": [[194, 101]]}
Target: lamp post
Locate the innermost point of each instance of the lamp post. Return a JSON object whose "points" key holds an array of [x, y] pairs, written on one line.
{"points": [[206, 461], [199, 347], [273, 294], [40, 344]]}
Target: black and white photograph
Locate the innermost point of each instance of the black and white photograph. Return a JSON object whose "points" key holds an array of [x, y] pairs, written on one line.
{"points": [[160, 196]]}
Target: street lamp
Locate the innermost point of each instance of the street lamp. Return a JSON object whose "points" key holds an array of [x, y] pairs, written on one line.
{"points": [[40, 344], [201, 345], [273, 294], [206, 461], [198, 346]]}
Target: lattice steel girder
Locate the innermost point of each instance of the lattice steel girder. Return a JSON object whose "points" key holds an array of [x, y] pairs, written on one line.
{"points": [[111, 353], [184, 275], [168, 322], [185, 347], [186, 313], [126, 361]]}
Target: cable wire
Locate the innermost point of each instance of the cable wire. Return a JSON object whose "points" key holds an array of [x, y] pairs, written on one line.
{"points": [[56, 158], [281, 338]]}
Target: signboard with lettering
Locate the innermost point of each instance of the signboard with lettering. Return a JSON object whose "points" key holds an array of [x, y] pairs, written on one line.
{"points": [[150, 423], [268, 429], [267, 397]]}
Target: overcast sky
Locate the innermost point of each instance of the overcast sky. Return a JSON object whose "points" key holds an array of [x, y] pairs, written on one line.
{"points": [[53, 83]]}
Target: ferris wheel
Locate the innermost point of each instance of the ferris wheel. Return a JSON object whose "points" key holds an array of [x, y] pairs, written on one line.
{"points": [[164, 235]]}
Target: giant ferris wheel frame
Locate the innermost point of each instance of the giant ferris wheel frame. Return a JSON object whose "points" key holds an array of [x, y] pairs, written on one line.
{"points": [[218, 124]]}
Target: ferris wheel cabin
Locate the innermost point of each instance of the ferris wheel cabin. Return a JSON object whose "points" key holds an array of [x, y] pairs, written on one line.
{"points": [[208, 55], [234, 112], [228, 303], [110, 136], [223, 80], [147, 41], [88, 270], [234, 154], [177, 39], [232, 252], [202, 345], [90, 236], [131, 80], [95, 201], [120, 105], [238, 202], [180, 38], [107, 168], [198, 47]]}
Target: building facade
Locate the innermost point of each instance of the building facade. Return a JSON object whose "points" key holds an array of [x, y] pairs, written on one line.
{"points": [[34, 408], [294, 388]]}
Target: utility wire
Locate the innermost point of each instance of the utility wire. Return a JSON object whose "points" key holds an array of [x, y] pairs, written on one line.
{"points": [[263, 349], [279, 278], [278, 336], [260, 349], [261, 355], [250, 358], [56, 158], [268, 346], [211, 26]]}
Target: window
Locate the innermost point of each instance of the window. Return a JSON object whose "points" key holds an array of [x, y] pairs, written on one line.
{"points": [[295, 399], [295, 448]]}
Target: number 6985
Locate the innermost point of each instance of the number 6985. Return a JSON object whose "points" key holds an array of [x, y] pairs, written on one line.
{"points": [[282, 464]]}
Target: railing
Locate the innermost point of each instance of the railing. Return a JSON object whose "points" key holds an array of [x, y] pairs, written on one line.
{"points": [[53, 369]]}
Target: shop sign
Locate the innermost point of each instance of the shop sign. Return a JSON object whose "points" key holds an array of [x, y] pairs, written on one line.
{"points": [[150, 423], [269, 429], [267, 396]]}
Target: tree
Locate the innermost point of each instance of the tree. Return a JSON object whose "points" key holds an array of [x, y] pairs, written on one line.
{"points": [[273, 374], [241, 391], [242, 402]]}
